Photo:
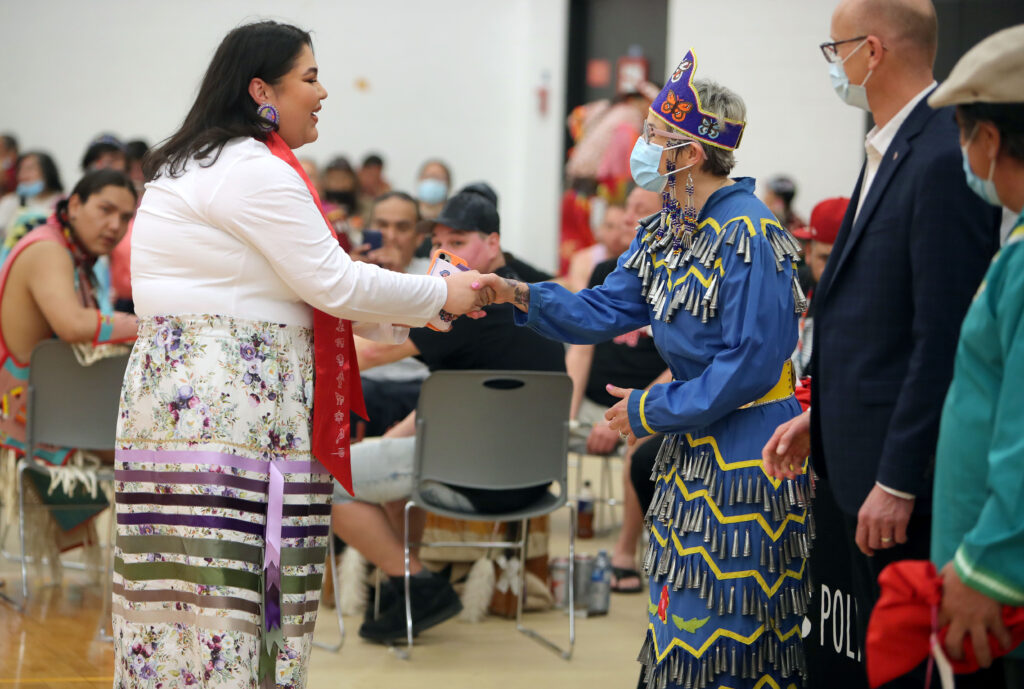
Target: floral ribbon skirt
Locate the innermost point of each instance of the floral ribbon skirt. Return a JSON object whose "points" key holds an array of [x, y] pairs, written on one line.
{"points": [[222, 512]]}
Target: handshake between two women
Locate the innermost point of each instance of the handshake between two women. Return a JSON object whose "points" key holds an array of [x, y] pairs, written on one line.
{"points": [[470, 291]]}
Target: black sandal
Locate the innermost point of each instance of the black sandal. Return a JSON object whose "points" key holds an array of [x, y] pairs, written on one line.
{"points": [[620, 573]]}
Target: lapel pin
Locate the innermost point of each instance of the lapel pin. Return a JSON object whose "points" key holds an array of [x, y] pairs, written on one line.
{"points": [[895, 155]]}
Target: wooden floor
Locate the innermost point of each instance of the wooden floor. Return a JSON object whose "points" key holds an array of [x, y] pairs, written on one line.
{"points": [[53, 644]]}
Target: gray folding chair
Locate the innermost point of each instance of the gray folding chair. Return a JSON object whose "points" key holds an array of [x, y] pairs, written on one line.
{"points": [[69, 405], [495, 430]]}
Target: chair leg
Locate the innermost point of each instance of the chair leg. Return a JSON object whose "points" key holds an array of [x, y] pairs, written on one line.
{"points": [[336, 576], [22, 466], [408, 596], [565, 653], [108, 582]]}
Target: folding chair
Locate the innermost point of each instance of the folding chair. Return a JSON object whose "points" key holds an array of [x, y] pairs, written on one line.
{"points": [[495, 430], [69, 405]]}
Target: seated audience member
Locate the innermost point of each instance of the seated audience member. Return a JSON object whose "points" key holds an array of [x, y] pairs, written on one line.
{"points": [[433, 184], [779, 198], [820, 235], [372, 182], [105, 152], [38, 189], [47, 289], [134, 152], [341, 200], [121, 256], [468, 227], [610, 236], [313, 172], [8, 163], [628, 361], [392, 390]]}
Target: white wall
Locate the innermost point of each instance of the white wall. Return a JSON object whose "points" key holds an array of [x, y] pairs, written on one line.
{"points": [[767, 52], [456, 79], [451, 78]]}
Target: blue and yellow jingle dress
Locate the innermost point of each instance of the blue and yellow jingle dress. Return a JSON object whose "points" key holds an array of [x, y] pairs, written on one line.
{"points": [[728, 544]]}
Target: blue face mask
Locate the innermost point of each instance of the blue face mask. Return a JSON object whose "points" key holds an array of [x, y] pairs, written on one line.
{"points": [[985, 188], [644, 162], [851, 94], [432, 191], [27, 190]]}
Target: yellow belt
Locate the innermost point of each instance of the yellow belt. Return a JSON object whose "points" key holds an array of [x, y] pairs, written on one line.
{"points": [[784, 389]]}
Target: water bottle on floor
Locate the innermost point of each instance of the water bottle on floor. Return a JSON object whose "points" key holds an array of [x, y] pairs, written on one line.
{"points": [[600, 590]]}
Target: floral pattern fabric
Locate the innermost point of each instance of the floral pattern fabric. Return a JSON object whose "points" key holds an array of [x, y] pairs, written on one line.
{"points": [[208, 405]]}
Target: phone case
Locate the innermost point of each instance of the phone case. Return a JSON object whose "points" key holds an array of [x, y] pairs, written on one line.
{"points": [[443, 264]]}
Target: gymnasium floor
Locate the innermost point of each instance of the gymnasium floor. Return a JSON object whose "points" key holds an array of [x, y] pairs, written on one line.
{"points": [[52, 646]]}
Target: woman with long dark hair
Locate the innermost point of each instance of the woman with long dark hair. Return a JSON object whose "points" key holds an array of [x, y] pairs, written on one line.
{"points": [[225, 446]]}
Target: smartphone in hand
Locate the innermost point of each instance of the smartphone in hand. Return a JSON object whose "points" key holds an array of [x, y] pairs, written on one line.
{"points": [[373, 239], [443, 264]]}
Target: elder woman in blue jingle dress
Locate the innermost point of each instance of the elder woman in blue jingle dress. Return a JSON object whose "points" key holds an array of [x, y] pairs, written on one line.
{"points": [[713, 275]]}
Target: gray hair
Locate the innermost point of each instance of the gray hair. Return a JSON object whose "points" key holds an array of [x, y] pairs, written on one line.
{"points": [[719, 101]]}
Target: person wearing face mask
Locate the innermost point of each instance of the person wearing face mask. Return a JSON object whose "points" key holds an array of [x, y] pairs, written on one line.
{"points": [[8, 163], [713, 275], [909, 255], [227, 440], [434, 181], [33, 200], [978, 536]]}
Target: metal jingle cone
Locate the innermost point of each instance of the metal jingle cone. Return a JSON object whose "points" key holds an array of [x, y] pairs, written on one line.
{"points": [[721, 605], [767, 501], [707, 530], [732, 599], [750, 489], [739, 489], [746, 543], [722, 546], [735, 543], [744, 608], [764, 560], [719, 495], [771, 560], [714, 540]]}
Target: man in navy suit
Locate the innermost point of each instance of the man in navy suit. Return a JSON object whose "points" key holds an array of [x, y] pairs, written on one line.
{"points": [[911, 252]]}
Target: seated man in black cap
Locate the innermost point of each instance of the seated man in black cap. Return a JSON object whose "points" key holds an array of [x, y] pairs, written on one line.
{"points": [[382, 468]]}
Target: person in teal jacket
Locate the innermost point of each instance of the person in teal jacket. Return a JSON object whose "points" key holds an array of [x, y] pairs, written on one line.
{"points": [[713, 275], [978, 526]]}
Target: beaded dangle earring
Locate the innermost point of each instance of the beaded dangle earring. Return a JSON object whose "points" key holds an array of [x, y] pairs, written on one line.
{"points": [[268, 113], [689, 213]]}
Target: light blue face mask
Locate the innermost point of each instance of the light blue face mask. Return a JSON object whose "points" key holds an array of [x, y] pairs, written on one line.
{"points": [[431, 191], [27, 190], [851, 94], [985, 188], [644, 162]]}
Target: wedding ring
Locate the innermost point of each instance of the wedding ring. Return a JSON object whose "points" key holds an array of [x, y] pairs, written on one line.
{"points": [[886, 539]]}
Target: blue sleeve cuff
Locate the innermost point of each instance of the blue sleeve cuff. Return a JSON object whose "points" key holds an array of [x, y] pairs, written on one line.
{"points": [[637, 419]]}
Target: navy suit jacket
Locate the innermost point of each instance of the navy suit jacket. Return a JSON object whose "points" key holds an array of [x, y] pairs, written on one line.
{"points": [[888, 310]]}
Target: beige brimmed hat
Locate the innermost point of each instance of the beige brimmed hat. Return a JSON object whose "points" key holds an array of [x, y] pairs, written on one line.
{"points": [[990, 72]]}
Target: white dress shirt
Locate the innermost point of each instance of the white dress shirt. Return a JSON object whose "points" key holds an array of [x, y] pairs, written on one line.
{"points": [[877, 142], [243, 238]]}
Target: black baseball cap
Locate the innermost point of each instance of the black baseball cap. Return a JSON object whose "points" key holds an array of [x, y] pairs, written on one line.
{"points": [[473, 209]]}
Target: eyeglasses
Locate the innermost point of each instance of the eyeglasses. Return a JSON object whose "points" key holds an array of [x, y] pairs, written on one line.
{"points": [[831, 53], [650, 131]]}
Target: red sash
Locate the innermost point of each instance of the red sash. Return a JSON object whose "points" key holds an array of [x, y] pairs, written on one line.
{"points": [[337, 388]]}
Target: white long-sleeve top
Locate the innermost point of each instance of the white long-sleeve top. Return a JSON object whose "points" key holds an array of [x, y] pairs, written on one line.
{"points": [[243, 238]]}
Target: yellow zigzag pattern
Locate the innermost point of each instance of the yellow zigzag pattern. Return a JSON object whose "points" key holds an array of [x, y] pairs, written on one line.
{"points": [[738, 519], [739, 574], [698, 652]]}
